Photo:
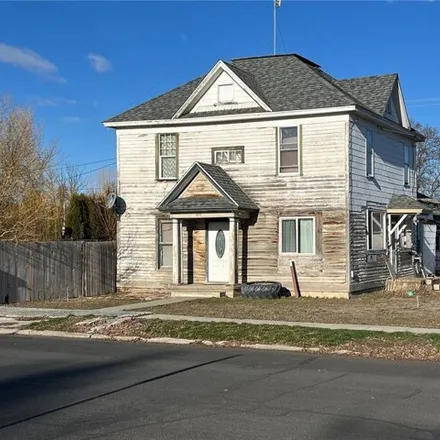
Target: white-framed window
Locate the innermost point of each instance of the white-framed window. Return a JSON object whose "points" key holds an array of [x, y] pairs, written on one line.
{"points": [[297, 235], [288, 151], [225, 93], [375, 230], [369, 153], [167, 152], [406, 164], [227, 155], [165, 243]]}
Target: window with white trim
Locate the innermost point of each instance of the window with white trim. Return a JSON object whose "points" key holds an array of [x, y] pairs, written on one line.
{"points": [[375, 230], [297, 235], [406, 164], [225, 93], [369, 153], [227, 155], [167, 160], [165, 243], [288, 151]]}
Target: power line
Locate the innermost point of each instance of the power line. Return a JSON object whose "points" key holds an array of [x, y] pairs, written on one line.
{"points": [[84, 164], [95, 169]]}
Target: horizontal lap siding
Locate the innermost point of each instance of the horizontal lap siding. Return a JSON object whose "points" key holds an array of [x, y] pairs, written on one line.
{"points": [[374, 193], [321, 189]]}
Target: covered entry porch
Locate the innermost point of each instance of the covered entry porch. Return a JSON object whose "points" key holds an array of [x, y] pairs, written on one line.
{"points": [[209, 211]]}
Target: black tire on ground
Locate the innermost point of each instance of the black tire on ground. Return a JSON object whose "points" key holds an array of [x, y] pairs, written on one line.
{"points": [[261, 289]]}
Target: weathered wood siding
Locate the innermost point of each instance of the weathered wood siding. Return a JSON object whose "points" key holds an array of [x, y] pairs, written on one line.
{"points": [[373, 193], [63, 269], [209, 101], [200, 187], [321, 189]]}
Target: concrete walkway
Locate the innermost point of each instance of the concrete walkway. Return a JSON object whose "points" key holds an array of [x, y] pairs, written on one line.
{"points": [[371, 328], [122, 310]]}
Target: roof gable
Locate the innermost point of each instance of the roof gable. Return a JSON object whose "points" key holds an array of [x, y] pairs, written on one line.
{"points": [[208, 81], [206, 187]]}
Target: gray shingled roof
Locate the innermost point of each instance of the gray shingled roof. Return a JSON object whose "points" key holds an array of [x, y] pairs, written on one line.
{"points": [[284, 83], [200, 204], [405, 202], [372, 91], [234, 198]]}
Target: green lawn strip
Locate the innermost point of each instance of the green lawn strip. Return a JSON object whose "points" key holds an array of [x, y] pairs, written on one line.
{"points": [[58, 324], [249, 333]]}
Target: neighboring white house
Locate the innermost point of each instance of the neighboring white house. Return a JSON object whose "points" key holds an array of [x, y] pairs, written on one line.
{"points": [[261, 161]]}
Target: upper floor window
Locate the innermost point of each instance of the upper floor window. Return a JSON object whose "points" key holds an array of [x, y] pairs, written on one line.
{"points": [[227, 155], [225, 93], [369, 153], [167, 156], [297, 235], [288, 154], [406, 164], [375, 230]]}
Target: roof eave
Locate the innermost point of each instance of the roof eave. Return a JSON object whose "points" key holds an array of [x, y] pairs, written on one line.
{"points": [[232, 118]]}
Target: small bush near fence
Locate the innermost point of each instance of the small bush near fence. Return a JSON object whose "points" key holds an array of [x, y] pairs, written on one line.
{"points": [[56, 270]]}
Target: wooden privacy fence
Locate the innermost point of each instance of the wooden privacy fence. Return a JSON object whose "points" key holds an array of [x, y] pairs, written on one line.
{"points": [[62, 269]]}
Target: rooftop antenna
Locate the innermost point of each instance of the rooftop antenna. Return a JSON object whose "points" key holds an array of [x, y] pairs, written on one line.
{"points": [[276, 5]]}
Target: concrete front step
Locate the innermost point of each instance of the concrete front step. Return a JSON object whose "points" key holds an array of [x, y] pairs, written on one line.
{"points": [[205, 290]]}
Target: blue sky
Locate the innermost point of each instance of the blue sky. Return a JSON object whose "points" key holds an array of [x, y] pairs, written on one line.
{"points": [[78, 63]]}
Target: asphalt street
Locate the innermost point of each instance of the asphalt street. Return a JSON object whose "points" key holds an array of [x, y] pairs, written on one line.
{"points": [[82, 389]]}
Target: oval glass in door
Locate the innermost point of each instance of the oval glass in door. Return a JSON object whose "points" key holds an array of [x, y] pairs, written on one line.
{"points": [[220, 243]]}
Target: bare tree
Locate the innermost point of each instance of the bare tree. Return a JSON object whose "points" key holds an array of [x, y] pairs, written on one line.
{"points": [[29, 204], [428, 160]]}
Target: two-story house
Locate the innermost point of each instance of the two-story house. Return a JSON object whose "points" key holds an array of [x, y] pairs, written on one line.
{"points": [[261, 161]]}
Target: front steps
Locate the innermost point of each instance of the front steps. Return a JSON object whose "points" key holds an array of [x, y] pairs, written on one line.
{"points": [[205, 290]]}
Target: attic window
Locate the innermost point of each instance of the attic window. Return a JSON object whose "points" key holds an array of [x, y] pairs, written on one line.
{"points": [[225, 93]]}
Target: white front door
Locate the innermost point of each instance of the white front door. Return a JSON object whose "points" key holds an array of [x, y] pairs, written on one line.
{"points": [[218, 251]]}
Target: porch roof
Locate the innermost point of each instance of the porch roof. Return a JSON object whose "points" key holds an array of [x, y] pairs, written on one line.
{"points": [[230, 196], [403, 204]]}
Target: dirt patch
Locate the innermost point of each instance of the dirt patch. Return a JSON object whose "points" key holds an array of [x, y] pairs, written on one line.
{"points": [[380, 308], [97, 302]]}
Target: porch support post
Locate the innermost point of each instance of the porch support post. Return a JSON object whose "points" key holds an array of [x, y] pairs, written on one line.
{"points": [[232, 250], [176, 252]]}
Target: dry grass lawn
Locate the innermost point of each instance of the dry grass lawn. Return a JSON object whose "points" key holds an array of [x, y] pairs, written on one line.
{"points": [[380, 308], [93, 303]]}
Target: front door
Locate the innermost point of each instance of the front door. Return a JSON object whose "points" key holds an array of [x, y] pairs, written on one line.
{"points": [[218, 252]]}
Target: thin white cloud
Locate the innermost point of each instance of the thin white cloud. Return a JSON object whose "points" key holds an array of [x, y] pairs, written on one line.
{"points": [[99, 63], [52, 102], [423, 102], [29, 60], [69, 119]]}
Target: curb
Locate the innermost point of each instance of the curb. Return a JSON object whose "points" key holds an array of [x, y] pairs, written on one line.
{"points": [[174, 341]]}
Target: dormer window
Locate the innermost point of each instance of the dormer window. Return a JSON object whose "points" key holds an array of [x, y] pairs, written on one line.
{"points": [[225, 93]]}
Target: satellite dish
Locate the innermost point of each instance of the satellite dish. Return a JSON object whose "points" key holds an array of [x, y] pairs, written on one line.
{"points": [[110, 200]]}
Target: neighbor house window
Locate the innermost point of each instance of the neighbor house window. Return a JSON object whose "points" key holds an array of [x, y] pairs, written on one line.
{"points": [[406, 164], [167, 156], [288, 150], [375, 230], [369, 153], [297, 235], [232, 155], [165, 243], [225, 93]]}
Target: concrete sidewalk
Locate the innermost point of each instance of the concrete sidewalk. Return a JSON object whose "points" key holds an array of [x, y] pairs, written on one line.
{"points": [[122, 310]]}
